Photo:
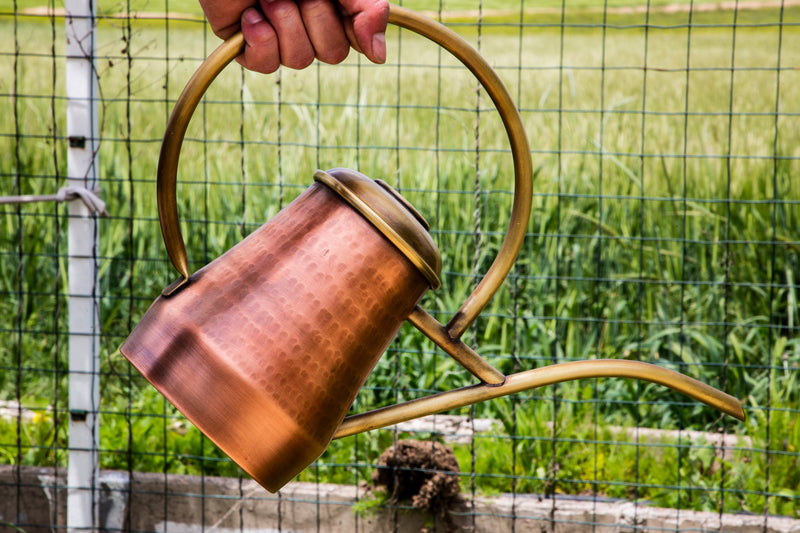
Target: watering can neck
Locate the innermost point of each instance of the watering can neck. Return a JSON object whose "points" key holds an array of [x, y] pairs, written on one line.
{"points": [[391, 214]]}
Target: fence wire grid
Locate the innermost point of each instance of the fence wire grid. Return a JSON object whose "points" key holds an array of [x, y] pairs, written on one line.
{"points": [[664, 229]]}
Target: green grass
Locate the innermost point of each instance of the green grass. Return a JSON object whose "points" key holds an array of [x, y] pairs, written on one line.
{"points": [[633, 250]]}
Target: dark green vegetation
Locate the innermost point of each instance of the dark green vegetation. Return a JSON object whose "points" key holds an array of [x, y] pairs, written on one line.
{"points": [[666, 235]]}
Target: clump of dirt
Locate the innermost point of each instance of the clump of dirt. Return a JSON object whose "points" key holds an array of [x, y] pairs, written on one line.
{"points": [[425, 472]]}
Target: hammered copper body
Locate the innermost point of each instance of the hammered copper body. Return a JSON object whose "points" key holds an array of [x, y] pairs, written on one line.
{"points": [[267, 351]]}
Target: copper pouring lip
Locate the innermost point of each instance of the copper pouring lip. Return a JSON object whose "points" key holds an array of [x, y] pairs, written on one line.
{"points": [[415, 244]]}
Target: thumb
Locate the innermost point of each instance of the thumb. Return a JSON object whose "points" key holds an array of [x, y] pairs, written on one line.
{"points": [[365, 23]]}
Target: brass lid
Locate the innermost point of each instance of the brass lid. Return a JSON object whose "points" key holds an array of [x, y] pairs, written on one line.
{"points": [[391, 214]]}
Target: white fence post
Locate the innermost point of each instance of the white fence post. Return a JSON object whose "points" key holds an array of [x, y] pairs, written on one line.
{"points": [[83, 242]]}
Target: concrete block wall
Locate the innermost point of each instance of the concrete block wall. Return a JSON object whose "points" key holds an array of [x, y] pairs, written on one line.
{"points": [[34, 501]]}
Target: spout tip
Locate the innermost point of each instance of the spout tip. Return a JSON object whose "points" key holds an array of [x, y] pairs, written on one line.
{"points": [[737, 411]]}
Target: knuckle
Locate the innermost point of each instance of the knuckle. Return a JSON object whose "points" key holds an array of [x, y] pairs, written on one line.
{"points": [[300, 60], [315, 9], [280, 10], [334, 55]]}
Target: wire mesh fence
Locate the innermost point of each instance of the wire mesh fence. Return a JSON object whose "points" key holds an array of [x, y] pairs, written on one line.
{"points": [[664, 229]]}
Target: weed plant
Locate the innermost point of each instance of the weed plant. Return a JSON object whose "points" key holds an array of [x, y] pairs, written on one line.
{"points": [[663, 230]]}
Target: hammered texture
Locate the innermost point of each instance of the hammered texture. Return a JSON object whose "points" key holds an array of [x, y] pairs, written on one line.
{"points": [[266, 348]]}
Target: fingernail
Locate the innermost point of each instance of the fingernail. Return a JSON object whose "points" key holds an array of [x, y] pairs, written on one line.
{"points": [[379, 47], [252, 16]]}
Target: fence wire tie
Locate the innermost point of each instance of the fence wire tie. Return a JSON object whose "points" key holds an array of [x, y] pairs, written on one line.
{"points": [[89, 197]]}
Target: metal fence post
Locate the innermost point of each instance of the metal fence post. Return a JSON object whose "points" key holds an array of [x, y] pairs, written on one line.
{"points": [[83, 241]]}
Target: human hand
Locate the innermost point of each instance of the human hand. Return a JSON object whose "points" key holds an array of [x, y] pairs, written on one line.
{"points": [[294, 32]]}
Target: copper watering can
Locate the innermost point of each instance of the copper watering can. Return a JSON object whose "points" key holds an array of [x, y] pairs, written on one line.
{"points": [[265, 348]]}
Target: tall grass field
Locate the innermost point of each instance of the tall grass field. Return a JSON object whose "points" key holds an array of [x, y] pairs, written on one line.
{"points": [[664, 229]]}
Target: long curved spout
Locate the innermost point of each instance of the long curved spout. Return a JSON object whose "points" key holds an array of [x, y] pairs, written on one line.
{"points": [[539, 377]]}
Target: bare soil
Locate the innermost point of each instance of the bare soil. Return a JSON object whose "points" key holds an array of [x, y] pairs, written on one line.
{"points": [[424, 472]]}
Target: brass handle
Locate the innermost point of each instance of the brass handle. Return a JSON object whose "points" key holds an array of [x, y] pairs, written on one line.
{"points": [[523, 187]]}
